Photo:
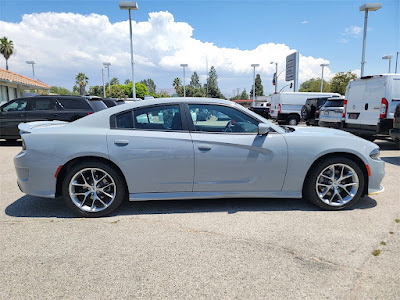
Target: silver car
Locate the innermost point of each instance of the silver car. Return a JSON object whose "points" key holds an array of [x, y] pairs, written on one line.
{"points": [[157, 149], [331, 113]]}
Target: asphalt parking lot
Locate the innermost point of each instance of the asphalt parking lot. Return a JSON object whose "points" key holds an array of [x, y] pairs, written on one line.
{"points": [[200, 249]]}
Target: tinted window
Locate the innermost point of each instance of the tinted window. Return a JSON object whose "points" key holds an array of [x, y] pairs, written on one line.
{"points": [[42, 104], [72, 104], [216, 118], [158, 118], [125, 120], [18, 105], [97, 105], [334, 103]]}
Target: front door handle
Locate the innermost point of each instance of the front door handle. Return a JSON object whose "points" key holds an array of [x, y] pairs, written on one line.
{"points": [[204, 147], [121, 142]]}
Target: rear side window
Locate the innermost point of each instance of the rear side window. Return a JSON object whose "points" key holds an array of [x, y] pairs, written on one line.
{"points": [[124, 120], [42, 104], [72, 104], [97, 105], [166, 117]]}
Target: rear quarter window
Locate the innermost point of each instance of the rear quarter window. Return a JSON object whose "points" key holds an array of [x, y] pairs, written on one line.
{"points": [[72, 104], [97, 105]]}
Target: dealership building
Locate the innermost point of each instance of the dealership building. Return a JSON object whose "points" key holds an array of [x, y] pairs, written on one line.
{"points": [[12, 85]]}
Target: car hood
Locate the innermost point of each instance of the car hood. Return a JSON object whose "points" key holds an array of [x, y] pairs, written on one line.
{"points": [[318, 131]]}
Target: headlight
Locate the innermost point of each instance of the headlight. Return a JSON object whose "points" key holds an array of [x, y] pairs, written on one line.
{"points": [[375, 153]]}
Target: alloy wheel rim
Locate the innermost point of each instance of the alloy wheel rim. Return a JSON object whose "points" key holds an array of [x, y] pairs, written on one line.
{"points": [[92, 190], [337, 184], [293, 122]]}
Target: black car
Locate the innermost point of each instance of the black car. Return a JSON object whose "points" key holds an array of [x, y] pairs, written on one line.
{"points": [[42, 108], [310, 111], [395, 131], [109, 102]]}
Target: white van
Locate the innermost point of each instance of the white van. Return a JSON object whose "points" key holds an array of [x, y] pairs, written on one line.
{"points": [[286, 106], [369, 104]]}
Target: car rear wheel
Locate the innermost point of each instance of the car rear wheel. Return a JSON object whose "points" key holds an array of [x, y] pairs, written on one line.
{"points": [[335, 183], [93, 189], [292, 121]]}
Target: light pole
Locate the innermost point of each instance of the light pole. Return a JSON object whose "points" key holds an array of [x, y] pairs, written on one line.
{"points": [[366, 8], [276, 75], [130, 5], [322, 76], [31, 62], [184, 88], [397, 57], [254, 83], [107, 66], [104, 86], [389, 57]]}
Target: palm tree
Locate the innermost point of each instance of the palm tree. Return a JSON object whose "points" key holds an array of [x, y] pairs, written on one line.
{"points": [[176, 83], [6, 48], [82, 81]]}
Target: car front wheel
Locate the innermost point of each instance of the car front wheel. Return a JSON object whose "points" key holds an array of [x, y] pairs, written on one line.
{"points": [[93, 189], [335, 183]]}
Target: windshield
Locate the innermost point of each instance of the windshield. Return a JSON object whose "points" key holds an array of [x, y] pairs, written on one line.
{"points": [[334, 103]]}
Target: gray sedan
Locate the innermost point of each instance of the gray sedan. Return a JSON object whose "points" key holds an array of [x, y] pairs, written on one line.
{"points": [[191, 148]]}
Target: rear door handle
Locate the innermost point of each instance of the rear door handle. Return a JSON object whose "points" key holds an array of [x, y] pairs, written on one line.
{"points": [[204, 147], [121, 142]]}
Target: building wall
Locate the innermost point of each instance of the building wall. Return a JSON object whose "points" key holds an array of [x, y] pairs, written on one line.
{"points": [[8, 91]]}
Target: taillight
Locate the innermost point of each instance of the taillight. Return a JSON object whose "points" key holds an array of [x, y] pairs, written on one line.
{"points": [[384, 108], [89, 113], [23, 145], [344, 108], [279, 108]]}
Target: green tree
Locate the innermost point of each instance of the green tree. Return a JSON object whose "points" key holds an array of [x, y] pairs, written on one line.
{"points": [[195, 80], [75, 89], [151, 86], [96, 90], [176, 83], [117, 91], [6, 48], [114, 80], [82, 80], [60, 90], [212, 82], [127, 81], [191, 91], [339, 82], [244, 95], [259, 87], [162, 94], [141, 90], [314, 85]]}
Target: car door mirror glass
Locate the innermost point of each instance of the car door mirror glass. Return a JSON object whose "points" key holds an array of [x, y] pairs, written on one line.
{"points": [[263, 129]]}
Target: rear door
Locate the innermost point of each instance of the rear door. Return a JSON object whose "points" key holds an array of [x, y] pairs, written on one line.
{"points": [[11, 115], [153, 148], [41, 109], [373, 94], [355, 102]]}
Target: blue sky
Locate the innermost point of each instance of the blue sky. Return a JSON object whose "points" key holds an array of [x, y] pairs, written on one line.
{"points": [[315, 28]]}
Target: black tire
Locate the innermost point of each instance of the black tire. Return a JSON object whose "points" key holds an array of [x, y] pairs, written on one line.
{"points": [[305, 112], [310, 190], [119, 191], [292, 120]]}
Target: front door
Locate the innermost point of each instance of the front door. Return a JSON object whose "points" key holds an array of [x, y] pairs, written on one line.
{"points": [[229, 154], [153, 150], [11, 115]]}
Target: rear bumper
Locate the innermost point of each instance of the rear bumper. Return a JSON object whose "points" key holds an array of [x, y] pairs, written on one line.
{"points": [[337, 125]]}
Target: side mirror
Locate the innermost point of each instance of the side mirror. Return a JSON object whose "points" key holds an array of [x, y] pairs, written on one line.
{"points": [[263, 129]]}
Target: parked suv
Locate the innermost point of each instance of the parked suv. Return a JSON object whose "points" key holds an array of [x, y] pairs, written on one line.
{"points": [[331, 113], [42, 108], [395, 131], [310, 110]]}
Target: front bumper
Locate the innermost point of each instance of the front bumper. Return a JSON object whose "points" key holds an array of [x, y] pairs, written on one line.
{"points": [[377, 169]]}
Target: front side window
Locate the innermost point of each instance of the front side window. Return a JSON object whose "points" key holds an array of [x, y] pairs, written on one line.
{"points": [[217, 118], [18, 105], [166, 117]]}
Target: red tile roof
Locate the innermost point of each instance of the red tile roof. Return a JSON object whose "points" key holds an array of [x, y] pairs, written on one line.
{"points": [[9, 76]]}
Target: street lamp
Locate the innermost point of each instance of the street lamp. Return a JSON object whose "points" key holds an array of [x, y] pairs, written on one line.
{"points": [[322, 76], [397, 57], [107, 66], [276, 75], [366, 8], [184, 88], [130, 5], [254, 83], [389, 57], [104, 86], [31, 62]]}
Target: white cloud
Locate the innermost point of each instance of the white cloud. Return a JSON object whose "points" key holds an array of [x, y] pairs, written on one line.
{"points": [[64, 44], [305, 22], [354, 31]]}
